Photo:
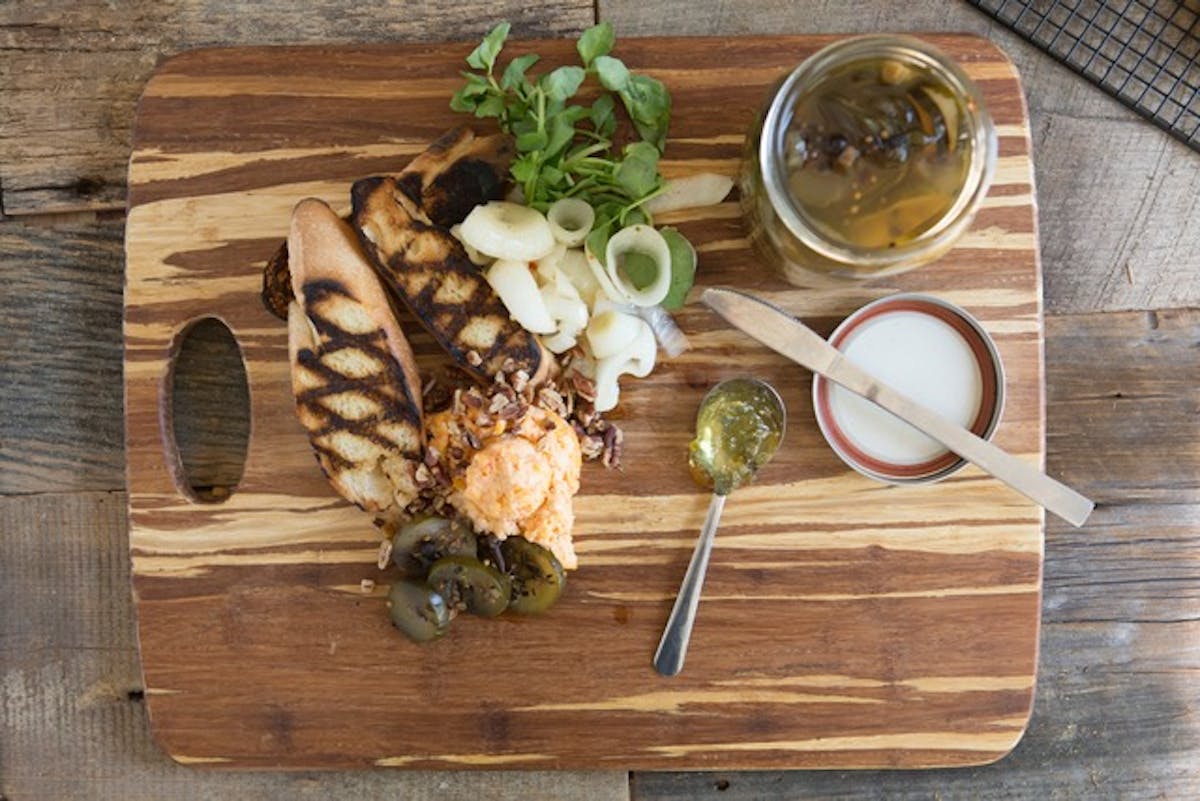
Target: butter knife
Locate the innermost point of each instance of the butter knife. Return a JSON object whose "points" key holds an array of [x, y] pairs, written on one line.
{"points": [[786, 335]]}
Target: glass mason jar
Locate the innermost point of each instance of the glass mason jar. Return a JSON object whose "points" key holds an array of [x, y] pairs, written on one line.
{"points": [[808, 253]]}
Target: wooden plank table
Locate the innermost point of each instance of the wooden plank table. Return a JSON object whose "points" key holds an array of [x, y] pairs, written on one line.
{"points": [[1116, 713]]}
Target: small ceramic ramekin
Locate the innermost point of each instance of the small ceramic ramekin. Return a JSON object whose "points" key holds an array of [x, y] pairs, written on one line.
{"points": [[934, 352]]}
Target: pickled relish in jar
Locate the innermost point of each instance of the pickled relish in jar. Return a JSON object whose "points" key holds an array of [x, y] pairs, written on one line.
{"points": [[870, 159], [875, 152]]}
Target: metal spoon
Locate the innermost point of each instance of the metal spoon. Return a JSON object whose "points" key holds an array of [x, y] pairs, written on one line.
{"points": [[729, 458]]}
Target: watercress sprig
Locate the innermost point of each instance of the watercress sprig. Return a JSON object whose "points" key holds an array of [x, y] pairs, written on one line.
{"points": [[565, 149]]}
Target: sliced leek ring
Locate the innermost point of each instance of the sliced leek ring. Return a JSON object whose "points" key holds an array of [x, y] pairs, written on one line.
{"points": [[574, 266], [568, 311], [693, 191], [477, 258], [607, 288], [570, 220], [507, 231], [515, 285], [610, 332], [547, 266], [637, 359], [641, 239]]}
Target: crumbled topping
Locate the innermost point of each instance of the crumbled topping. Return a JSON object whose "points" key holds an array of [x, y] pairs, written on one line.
{"points": [[385, 554], [481, 412]]}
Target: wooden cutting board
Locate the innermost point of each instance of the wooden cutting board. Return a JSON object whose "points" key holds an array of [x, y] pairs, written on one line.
{"points": [[844, 623]]}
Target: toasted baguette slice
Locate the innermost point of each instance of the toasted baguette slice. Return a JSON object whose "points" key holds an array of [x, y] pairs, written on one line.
{"points": [[456, 173], [357, 390], [430, 271]]}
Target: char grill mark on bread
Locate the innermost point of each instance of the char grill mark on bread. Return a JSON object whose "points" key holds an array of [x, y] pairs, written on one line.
{"points": [[353, 374], [456, 173], [429, 269]]}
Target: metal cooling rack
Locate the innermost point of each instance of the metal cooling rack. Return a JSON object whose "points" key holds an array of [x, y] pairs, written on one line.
{"points": [[1145, 53]]}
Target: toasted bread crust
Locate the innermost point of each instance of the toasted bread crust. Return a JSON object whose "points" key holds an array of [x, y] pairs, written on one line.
{"points": [[456, 173], [277, 283], [430, 271], [354, 378]]}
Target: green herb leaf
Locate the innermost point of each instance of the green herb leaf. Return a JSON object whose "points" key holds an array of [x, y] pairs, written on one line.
{"points": [[597, 242], [612, 72], [649, 105], [523, 125], [638, 172], [524, 168], [534, 140], [476, 84], [461, 101], [483, 57], [640, 268], [562, 131], [634, 217], [490, 106], [683, 268], [563, 83], [514, 73], [603, 120], [551, 176], [596, 41]]}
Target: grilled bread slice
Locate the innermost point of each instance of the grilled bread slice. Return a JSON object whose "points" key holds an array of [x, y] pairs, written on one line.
{"points": [[356, 385], [456, 173], [430, 271]]}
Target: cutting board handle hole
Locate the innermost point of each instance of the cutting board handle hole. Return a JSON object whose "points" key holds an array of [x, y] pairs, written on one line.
{"points": [[205, 411]]}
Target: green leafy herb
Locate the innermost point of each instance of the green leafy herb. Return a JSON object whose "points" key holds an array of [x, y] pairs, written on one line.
{"points": [[612, 72], [683, 269], [596, 41], [566, 149], [514, 73], [637, 173], [483, 57], [563, 83]]}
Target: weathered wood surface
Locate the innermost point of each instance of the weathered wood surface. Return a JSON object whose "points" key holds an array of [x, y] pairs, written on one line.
{"points": [[61, 356], [72, 72], [873, 600]]}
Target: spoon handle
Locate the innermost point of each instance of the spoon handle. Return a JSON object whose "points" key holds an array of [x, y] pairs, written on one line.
{"points": [[668, 659]]}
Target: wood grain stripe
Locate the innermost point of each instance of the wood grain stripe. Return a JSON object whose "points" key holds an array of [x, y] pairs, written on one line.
{"points": [[999, 741]]}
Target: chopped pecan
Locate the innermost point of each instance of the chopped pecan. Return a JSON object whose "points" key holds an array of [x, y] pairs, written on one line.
{"points": [[512, 411], [591, 446]]}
